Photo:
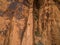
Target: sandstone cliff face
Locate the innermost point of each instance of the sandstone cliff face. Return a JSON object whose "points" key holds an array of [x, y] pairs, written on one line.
{"points": [[46, 20], [29, 22]]}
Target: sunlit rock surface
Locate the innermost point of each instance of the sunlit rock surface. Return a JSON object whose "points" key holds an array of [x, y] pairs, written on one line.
{"points": [[29, 22]]}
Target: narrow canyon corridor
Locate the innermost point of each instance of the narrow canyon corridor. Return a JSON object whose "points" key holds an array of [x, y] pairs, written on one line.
{"points": [[29, 22]]}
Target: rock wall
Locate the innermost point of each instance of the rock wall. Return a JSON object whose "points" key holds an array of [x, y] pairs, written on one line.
{"points": [[29, 22]]}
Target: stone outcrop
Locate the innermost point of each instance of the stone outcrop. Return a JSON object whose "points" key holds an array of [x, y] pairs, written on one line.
{"points": [[29, 22]]}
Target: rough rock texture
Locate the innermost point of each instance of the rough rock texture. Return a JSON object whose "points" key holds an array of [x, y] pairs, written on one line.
{"points": [[29, 22]]}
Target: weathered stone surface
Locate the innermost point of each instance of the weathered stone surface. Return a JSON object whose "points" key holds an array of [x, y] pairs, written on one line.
{"points": [[29, 22]]}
